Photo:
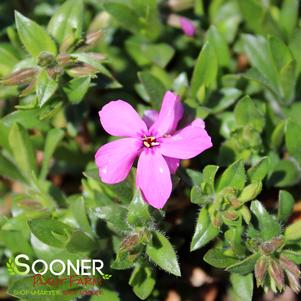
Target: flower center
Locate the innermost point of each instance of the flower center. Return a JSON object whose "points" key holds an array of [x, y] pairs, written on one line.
{"points": [[150, 141]]}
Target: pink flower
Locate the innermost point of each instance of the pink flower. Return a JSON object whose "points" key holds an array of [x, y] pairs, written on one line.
{"points": [[154, 140], [187, 26]]}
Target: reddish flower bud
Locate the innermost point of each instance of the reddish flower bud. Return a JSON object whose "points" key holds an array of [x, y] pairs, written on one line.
{"points": [[23, 76], [276, 274], [261, 269]]}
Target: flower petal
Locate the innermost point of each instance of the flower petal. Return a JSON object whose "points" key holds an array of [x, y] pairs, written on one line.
{"points": [[187, 142], [150, 116], [187, 26], [116, 158], [153, 178], [171, 112], [118, 118], [173, 164]]}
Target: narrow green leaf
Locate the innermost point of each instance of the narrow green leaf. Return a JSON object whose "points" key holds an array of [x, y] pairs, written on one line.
{"points": [[53, 138], [50, 232], [258, 52], [45, 87], [293, 231], [80, 214], [288, 16], [242, 286], [218, 259], [34, 38], [268, 225], [138, 212], [143, 281], [77, 88], [280, 52], [9, 170], [286, 205], [205, 70], [246, 113], [153, 87], [293, 139], [259, 171], [234, 176], [204, 231], [220, 46], [67, 21], [80, 242], [22, 149], [124, 15], [245, 266], [161, 252]]}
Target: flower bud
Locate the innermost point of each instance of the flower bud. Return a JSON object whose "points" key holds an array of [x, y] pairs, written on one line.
{"points": [[289, 266], [64, 59], [261, 269], [23, 76], [293, 281], [45, 59], [93, 37], [83, 70], [276, 274], [130, 242], [272, 245]]}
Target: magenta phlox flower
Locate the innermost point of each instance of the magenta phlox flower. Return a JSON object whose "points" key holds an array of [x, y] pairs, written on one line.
{"points": [[154, 140], [187, 26]]}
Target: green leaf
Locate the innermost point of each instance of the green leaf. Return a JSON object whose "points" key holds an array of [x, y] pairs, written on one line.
{"points": [[288, 16], [220, 46], [293, 139], [205, 70], [280, 52], [293, 231], [45, 87], [245, 266], [144, 53], [22, 149], [50, 232], [234, 176], [285, 173], [53, 138], [34, 38], [218, 259], [209, 173], [138, 212], [153, 87], [250, 192], [124, 15], [77, 88], [259, 171], [286, 205], [204, 231], [242, 286], [258, 52], [9, 170], [287, 79], [80, 214], [268, 225], [161, 252], [80, 242], [277, 135], [143, 281], [67, 21], [246, 113]]}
